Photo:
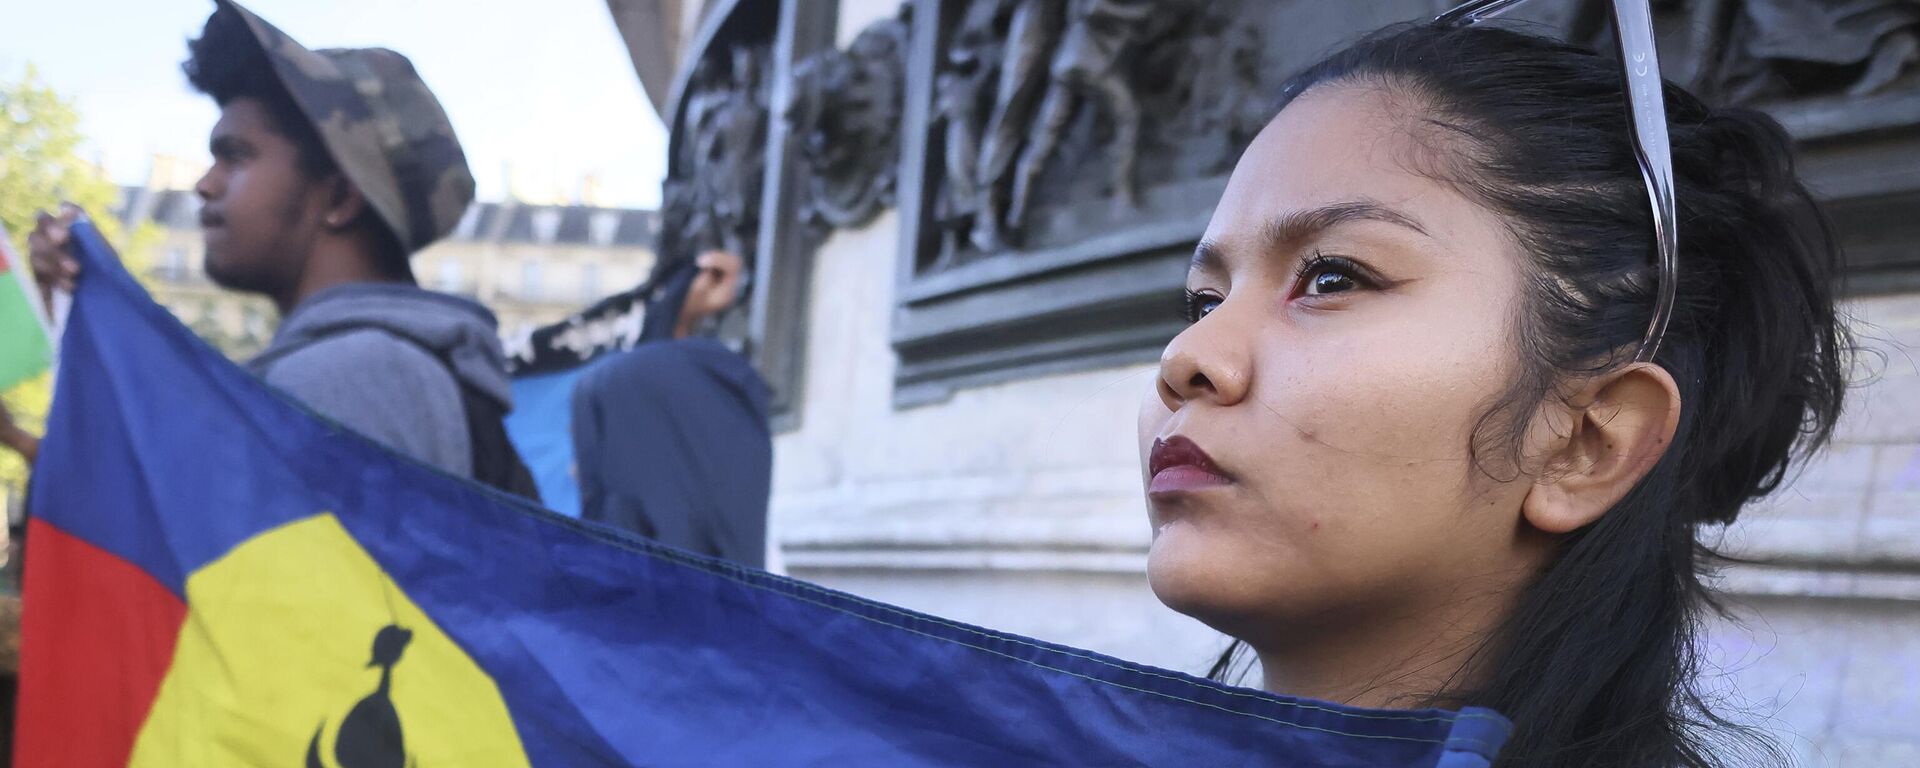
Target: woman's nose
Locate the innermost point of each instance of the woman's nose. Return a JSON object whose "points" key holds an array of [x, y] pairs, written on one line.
{"points": [[1208, 361]]}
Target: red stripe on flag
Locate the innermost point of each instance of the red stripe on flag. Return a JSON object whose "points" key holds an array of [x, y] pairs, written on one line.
{"points": [[97, 636]]}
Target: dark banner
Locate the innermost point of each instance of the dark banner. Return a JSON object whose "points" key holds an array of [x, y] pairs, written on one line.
{"points": [[613, 324]]}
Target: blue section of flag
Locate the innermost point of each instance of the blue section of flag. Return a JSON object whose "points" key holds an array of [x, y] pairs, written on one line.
{"points": [[539, 426], [610, 650]]}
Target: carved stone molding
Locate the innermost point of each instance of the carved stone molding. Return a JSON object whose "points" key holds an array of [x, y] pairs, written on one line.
{"points": [[718, 154], [845, 118], [1061, 159], [731, 180], [1060, 117], [1843, 76], [1763, 51]]}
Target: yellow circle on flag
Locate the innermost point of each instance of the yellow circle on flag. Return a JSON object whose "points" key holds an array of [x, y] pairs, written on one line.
{"points": [[298, 648]]}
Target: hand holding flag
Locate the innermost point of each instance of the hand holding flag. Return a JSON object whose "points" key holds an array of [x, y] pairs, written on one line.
{"points": [[51, 246]]}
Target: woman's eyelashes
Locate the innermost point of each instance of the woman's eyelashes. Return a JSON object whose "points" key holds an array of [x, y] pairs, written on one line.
{"points": [[1198, 304], [1325, 275], [1319, 275]]}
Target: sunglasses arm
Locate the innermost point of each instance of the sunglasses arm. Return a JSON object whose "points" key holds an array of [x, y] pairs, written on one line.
{"points": [[1647, 113]]}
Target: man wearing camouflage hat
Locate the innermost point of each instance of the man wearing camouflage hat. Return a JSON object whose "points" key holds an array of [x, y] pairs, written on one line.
{"points": [[330, 168]]}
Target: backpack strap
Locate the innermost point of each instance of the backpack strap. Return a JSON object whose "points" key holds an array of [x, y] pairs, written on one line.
{"points": [[495, 461]]}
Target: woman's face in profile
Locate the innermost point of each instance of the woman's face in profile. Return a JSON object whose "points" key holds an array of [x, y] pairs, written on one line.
{"points": [[1306, 449]]}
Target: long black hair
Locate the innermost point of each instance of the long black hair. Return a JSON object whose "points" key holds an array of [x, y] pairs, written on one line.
{"points": [[1596, 663]]}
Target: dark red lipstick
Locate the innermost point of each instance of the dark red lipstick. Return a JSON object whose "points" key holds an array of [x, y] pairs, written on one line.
{"points": [[1177, 464]]}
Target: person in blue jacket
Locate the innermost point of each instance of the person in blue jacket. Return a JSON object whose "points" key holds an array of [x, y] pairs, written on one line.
{"points": [[671, 438]]}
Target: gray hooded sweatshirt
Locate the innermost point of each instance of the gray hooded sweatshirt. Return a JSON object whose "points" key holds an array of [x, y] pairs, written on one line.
{"points": [[381, 359]]}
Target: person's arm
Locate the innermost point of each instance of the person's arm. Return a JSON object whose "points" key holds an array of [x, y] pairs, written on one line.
{"points": [[12, 436]]}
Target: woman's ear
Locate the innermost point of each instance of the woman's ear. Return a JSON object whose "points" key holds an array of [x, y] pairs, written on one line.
{"points": [[1601, 449]]}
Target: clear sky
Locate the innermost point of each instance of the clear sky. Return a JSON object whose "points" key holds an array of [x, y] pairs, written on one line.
{"points": [[541, 86]]}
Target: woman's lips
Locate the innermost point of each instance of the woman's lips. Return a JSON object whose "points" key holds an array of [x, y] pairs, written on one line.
{"points": [[1177, 464]]}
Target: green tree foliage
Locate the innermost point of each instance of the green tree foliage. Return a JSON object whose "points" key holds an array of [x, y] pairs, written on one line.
{"points": [[41, 165]]}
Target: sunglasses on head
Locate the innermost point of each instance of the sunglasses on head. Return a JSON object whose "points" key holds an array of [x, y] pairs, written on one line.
{"points": [[1647, 116]]}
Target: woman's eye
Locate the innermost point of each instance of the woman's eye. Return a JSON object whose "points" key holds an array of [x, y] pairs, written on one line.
{"points": [[1331, 281], [1198, 304], [1328, 275]]}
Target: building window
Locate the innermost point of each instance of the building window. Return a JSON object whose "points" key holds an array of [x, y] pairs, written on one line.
{"points": [[590, 281], [546, 224], [452, 275], [603, 227], [530, 280]]}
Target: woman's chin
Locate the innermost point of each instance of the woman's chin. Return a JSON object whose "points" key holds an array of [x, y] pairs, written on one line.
{"points": [[1189, 577], [1237, 586]]}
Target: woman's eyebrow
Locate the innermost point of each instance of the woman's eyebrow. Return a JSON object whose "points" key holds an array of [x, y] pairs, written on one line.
{"points": [[1300, 226], [1282, 232]]}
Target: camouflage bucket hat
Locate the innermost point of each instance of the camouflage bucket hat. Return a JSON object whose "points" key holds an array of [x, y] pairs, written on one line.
{"points": [[383, 127]]}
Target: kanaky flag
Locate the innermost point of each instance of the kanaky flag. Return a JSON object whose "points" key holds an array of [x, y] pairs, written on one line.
{"points": [[215, 576], [24, 351]]}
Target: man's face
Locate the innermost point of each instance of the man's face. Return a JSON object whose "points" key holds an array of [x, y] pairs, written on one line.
{"points": [[262, 212]]}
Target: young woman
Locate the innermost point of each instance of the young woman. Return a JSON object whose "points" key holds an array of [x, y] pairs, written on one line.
{"points": [[1405, 452]]}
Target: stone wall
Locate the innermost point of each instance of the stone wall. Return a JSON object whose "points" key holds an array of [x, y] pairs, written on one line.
{"points": [[1016, 506]]}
